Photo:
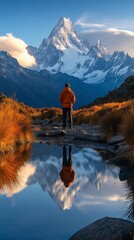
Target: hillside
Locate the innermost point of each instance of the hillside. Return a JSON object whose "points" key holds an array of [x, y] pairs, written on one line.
{"points": [[124, 93], [41, 89]]}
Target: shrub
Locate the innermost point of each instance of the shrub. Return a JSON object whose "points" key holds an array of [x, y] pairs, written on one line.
{"points": [[127, 127], [51, 113], [15, 128], [111, 121]]}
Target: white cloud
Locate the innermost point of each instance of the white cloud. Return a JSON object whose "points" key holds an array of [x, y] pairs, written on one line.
{"points": [[89, 25], [119, 32], [115, 198], [114, 39], [82, 22], [115, 35], [17, 49]]}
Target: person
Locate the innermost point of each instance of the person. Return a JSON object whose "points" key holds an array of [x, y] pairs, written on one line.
{"points": [[67, 174], [67, 99]]}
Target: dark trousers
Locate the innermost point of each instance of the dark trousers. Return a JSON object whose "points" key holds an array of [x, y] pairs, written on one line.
{"points": [[67, 112], [67, 161]]}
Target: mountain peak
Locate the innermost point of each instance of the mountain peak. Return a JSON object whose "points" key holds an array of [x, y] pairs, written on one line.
{"points": [[64, 36], [67, 22], [99, 43], [64, 26], [102, 49]]}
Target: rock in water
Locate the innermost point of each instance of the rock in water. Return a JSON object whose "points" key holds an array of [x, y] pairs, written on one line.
{"points": [[106, 229]]}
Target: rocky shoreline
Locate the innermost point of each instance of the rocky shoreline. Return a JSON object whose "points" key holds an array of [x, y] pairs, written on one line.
{"points": [[114, 150]]}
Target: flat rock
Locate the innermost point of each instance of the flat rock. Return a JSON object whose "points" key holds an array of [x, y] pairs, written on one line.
{"points": [[116, 139], [106, 229], [55, 132]]}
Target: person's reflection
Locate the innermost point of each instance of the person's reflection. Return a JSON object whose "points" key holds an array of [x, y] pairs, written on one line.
{"points": [[67, 174]]}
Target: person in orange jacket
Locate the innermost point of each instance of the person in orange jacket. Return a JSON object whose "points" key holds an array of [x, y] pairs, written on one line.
{"points": [[67, 99], [67, 174]]}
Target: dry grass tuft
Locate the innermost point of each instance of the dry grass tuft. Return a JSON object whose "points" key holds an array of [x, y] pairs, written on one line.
{"points": [[127, 127], [15, 128], [110, 122], [54, 114]]}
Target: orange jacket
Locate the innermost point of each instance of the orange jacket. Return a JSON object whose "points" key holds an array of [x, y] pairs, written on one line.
{"points": [[67, 97], [67, 175]]}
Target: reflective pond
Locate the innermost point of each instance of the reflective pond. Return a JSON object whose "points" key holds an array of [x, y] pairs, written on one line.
{"points": [[49, 192]]}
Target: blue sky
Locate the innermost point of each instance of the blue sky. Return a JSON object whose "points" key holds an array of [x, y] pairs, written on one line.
{"points": [[33, 20]]}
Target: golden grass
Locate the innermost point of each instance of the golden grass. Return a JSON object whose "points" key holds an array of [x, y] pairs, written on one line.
{"points": [[15, 120], [94, 114], [91, 115], [127, 127], [15, 128], [114, 118], [54, 114], [111, 122], [22, 108]]}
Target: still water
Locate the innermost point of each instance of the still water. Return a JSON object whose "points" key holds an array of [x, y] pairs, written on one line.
{"points": [[35, 204]]}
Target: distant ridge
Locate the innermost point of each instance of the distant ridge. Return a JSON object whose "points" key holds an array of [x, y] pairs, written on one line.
{"points": [[124, 93]]}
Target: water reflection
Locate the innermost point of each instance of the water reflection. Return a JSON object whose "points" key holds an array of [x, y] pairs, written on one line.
{"points": [[67, 174], [14, 170], [87, 164], [95, 191]]}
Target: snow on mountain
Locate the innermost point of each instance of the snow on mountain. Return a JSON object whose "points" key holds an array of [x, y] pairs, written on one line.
{"points": [[62, 38], [89, 169], [80, 65], [65, 51], [34, 87], [103, 51], [64, 56], [120, 65]]}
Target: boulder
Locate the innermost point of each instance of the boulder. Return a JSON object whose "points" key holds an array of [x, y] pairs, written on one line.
{"points": [[106, 229]]}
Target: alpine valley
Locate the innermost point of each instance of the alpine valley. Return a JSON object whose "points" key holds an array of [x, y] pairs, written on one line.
{"points": [[64, 56]]}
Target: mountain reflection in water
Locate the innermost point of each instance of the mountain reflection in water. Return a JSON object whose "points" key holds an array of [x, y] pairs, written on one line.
{"points": [[44, 165]]}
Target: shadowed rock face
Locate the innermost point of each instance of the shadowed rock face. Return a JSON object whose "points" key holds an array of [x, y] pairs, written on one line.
{"points": [[106, 229], [124, 93]]}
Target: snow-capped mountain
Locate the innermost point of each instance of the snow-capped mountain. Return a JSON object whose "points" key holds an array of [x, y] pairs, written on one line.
{"points": [[39, 89], [62, 38], [103, 51], [64, 57], [65, 51]]}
